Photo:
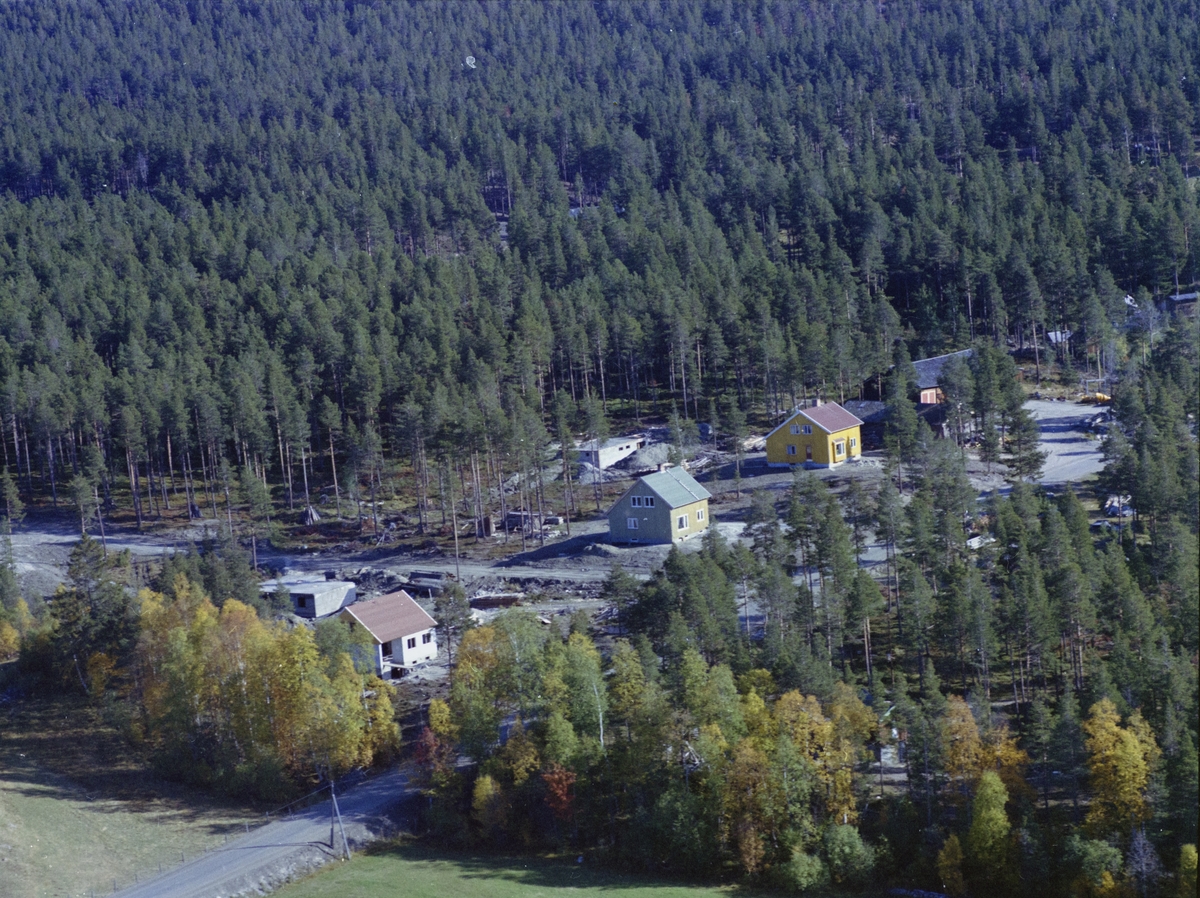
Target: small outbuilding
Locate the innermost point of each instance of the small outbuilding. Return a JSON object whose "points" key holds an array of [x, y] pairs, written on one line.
{"points": [[873, 415], [819, 437], [403, 632], [605, 454], [667, 506], [312, 597]]}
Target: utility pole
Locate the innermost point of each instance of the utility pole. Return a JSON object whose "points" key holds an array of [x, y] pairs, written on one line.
{"points": [[337, 815]]}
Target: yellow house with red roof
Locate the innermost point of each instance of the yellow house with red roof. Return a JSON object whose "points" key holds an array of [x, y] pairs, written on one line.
{"points": [[819, 437]]}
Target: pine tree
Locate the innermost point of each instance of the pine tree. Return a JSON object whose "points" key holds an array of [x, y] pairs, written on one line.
{"points": [[14, 508]]}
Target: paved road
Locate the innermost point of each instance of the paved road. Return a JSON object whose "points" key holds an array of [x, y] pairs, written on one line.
{"points": [[239, 863]]}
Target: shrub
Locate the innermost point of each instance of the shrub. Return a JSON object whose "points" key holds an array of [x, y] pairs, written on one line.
{"points": [[850, 859], [803, 872]]}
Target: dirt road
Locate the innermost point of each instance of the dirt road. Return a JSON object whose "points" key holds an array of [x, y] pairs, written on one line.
{"points": [[266, 857], [583, 561]]}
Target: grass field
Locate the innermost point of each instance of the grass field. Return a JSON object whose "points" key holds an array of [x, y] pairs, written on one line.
{"points": [[417, 872], [79, 810]]}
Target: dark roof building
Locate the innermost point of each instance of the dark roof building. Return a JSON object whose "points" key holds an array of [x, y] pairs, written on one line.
{"points": [[929, 372], [873, 415], [867, 410]]}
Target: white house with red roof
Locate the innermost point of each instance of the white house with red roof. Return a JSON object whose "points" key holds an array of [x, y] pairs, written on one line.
{"points": [[403, 633]]}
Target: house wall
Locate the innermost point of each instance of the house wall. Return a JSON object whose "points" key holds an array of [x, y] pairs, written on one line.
{"points": [[822, 444], [697, 520], [845, 437], [656, 525], [653, 523], [421, 650]]}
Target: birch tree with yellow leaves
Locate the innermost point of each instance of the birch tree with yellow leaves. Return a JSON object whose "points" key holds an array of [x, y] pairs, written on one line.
{"points": [[229, 699], [1120, 760]]}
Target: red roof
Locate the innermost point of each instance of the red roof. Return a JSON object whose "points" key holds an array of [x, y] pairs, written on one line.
{"points": [[391, 617], [830, 417]]}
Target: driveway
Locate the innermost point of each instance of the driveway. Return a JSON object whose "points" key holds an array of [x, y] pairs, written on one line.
{"points": [[270, 855]]}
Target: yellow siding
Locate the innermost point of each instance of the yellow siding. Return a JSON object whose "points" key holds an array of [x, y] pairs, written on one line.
{"points": [[823, 445], [694, 524]]}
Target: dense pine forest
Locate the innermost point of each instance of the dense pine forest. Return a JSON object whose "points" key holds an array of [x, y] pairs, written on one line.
{"points": [[275, 237], [253, 253]]}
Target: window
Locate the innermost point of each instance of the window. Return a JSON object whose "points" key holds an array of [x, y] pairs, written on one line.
{"points": [[839, 448], [853, 442], [791, 450], [301, 601], [386, 648], [683, 522], [426, 638], [631, 523], [412, 642], [635, 501], [699, 514], [649, 500], [795, 428], [807, 429]]}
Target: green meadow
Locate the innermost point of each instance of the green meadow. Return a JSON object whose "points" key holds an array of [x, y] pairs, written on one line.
{"points": [[418, 872]]}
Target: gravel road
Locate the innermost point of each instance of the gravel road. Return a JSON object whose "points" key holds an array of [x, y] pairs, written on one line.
{"points": [[584, 561], [1071, 455], [263, 859]]}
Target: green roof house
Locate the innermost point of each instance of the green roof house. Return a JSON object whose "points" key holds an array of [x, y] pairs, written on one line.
{"points": [[665, 507]]}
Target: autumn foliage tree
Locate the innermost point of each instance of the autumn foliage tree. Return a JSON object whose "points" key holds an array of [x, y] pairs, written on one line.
{"points": [[1120, 761], [230, 699]]}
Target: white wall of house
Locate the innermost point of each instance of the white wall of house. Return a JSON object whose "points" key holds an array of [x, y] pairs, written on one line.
{"points": [[415, 648]]}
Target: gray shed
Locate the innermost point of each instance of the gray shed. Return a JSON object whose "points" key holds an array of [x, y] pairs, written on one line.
{"points": [[314, 597]]}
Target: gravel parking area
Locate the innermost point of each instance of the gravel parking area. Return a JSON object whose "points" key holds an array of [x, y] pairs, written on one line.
{"points": [[1072, 452]]}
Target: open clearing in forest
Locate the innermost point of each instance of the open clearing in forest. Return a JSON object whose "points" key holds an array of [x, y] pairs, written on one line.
{"points": [[79, 811], [421, 873]]}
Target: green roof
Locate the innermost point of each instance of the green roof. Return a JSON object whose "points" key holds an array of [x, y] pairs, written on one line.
{"points": [[675, 486]]}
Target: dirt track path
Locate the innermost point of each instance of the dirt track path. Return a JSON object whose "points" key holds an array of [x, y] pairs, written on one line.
{"points": [[266, 857]]}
